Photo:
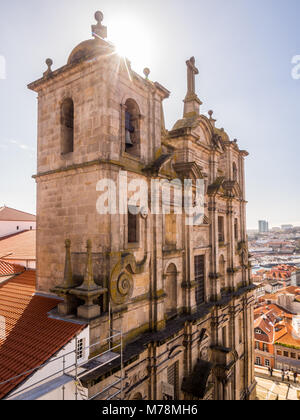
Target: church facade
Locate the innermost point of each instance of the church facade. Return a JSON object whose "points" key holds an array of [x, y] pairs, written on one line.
{"points": [[181, 293]]}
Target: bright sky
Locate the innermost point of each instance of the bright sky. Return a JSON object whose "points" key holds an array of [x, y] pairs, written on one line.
{"points": [[243, 49]]}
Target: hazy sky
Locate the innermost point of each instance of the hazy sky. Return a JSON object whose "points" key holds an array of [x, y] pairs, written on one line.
{"points": [[243, 49]]}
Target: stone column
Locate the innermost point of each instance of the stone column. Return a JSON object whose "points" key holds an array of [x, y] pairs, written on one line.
{"points": [[214, 240]]}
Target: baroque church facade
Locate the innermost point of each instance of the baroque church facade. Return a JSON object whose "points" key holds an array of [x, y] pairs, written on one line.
{"points": [[181, 294]]}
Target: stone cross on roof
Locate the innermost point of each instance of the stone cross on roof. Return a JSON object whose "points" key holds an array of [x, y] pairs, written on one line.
{"points": [[99, 30], [191, 72], [192, 102]]}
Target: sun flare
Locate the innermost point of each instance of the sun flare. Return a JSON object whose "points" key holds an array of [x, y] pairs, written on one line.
{"points": [[131, 41]]}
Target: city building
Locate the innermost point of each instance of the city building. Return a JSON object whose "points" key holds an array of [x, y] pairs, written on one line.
{"points": [[295, 278], [14, 221], [180, 293], [260, 289], [287, 298], [287, 348], [276, 229], [277, 338], [19, 249], [265, 335], [263, 226], [272, 280]]}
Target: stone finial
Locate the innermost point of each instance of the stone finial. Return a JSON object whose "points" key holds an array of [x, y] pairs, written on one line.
{"points": [[63, 290], [146, 72], [99, 30], [49, 64], [68, 274], [211, 119]]}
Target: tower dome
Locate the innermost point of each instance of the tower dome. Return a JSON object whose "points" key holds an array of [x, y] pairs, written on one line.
{"points": [[92, 47]]}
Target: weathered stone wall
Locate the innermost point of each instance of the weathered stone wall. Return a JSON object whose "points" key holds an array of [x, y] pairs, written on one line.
{"points": [[138, 275]]}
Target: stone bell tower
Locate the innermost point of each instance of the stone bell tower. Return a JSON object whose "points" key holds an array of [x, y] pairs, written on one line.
{"points": [[81, 140], [91, 259]]}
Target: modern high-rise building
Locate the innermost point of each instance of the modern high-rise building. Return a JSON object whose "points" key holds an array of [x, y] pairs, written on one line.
{"points": [[263, 226], [180, 293]]}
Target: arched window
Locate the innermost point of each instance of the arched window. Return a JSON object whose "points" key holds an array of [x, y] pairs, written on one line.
{"points": [[234, 172], [171, 290], [222, 273], [132, 128], [67, 126]]}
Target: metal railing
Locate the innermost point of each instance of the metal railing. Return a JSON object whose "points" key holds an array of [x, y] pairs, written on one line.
{"points": [[73, 369]]}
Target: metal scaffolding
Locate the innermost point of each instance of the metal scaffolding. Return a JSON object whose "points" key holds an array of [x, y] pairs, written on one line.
{"points": [[78, 370], [83, 369]]}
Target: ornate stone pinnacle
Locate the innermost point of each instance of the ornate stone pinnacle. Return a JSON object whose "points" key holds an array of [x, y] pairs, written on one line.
{"points": [[49, 63], [68, 275], [89, 274], [89, 245], [99, 30], [146, 72], [211, 119]]}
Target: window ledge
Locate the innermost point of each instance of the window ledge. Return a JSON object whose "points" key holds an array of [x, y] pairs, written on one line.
{"points": [[133, 246], [67, 155], [131, 157]]}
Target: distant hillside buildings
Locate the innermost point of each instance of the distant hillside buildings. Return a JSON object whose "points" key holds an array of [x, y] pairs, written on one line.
{"points": [[279, 277]]}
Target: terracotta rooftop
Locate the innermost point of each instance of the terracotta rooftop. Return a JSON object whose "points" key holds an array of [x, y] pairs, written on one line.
{"points": [[31, 336], [2, 238], [19, 247], [273, 321], [13, 215], [289, 338], [7, 269]]}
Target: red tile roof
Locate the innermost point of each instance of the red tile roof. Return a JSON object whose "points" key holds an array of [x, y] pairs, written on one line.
{"points": [[32, 337], [263, 323], [7, 269], [19, 247], [13, 215], [273, 321], [289, 338], [13, 234]]}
